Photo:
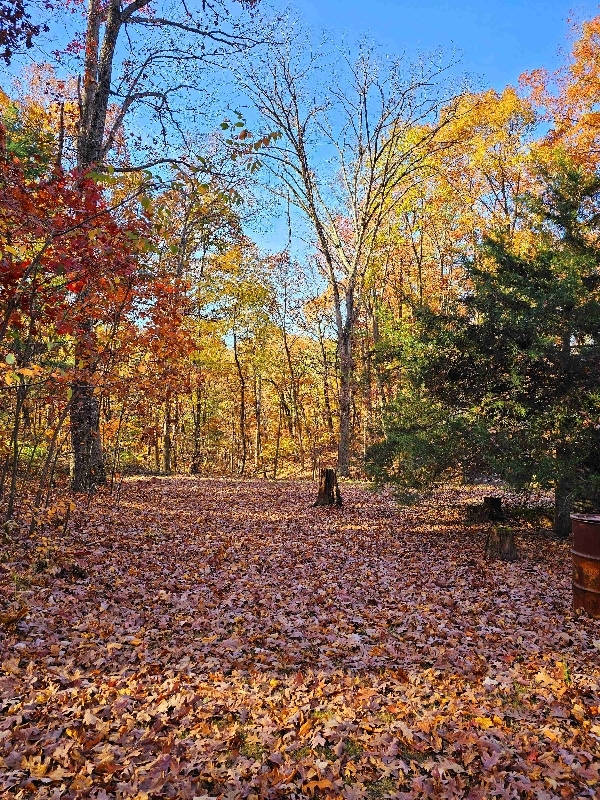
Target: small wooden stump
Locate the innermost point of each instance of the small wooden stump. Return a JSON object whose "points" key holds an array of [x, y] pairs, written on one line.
{"points": [[329, 491], [500, 544], [488, 511], [493, 508]]}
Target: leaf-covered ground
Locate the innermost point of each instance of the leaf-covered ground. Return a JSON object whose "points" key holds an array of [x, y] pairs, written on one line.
{"points": [[222, 639]]}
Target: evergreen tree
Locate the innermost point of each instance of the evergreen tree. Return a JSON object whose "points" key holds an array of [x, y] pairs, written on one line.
{"points": [[514, 365]]}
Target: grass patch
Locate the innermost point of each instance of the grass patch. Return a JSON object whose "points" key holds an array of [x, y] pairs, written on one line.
{"points": [[301, 752], [353, 749], [325, 753], [251, 749], [408, 754], [321, 713], [384, 787], [542, 515]]}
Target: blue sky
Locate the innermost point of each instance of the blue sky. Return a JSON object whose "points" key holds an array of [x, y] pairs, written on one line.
{"points": [[499, 40]]}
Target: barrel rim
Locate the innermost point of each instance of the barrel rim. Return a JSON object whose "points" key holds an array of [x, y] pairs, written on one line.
{"points": [[593, 519], [586, 588], [588, 556]]}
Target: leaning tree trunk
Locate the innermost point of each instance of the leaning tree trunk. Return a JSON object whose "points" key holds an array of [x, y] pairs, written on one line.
{"points": [[329, 491]]}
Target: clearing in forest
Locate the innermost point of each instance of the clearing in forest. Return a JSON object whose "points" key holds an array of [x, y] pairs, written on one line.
{"points": [[223, 639]]}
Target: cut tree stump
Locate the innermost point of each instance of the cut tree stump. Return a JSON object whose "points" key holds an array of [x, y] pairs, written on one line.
{"points": [[500, 544], [493, 508], [488, 511], [329, 491]]}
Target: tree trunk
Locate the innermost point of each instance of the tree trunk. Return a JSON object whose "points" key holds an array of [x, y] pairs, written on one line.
{"points": [[88, 470], [258, 422], [21, 393], [329, 492], [96, 80], [562, 508], [156, 438], [175, 438], [242, 465], [197, 415], [327, 404], [345, 347], [277, 442], [367, 381], [167, 439], [500, 544]]}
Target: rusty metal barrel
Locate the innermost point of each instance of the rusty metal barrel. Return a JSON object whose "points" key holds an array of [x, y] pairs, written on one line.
{"points": [[586, 562]]}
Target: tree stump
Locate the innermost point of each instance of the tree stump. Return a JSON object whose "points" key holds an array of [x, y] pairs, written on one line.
{"points": [[493, 508], [488, 511], [500, 544], [329, 491]]}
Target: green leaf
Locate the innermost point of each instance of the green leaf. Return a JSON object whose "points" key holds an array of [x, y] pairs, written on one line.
{"points": [[10, 358]]}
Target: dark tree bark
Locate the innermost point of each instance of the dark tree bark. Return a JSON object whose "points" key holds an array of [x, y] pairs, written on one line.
{"points": [[167, 441], [240, 371], [345, 399], [329, 491], [493, 508], [88, 469], [500, 544], [562, 508], [87, 464]]}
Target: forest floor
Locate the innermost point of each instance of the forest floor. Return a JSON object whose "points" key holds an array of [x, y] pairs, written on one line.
{"points": [[196, 638]]}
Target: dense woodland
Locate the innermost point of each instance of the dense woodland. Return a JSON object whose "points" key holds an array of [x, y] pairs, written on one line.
{"points": [[237, 254], [440, 317]]}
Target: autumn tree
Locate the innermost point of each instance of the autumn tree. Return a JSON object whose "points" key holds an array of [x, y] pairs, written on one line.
{"points": [[351, 146], [121, 75], [66, 258], [567, 98]]}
